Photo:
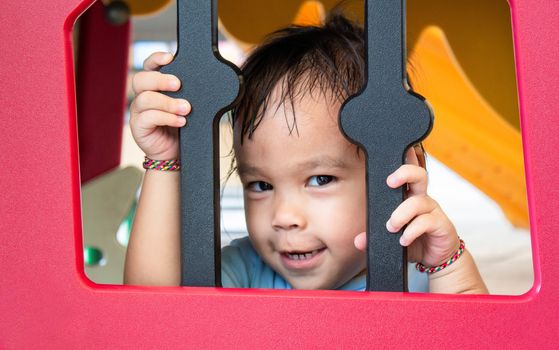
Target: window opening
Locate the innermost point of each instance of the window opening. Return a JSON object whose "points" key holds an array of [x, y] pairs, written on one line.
{"points": [[496, 236]]}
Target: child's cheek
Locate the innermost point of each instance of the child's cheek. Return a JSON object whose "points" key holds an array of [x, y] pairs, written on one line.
{"points": [[253, 220], [349, 203], [342, 217]]}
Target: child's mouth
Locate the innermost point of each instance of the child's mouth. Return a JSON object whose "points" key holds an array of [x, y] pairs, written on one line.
{"points": [[301, 260], [302, 256]]}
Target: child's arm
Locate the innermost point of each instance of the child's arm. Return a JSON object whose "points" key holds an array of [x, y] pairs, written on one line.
{"points": [[153, 256], [462, 277], [430, 236]]}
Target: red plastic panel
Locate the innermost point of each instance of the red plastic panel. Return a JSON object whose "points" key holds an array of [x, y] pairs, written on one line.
{"points": [[101, 90], [47, 302]]}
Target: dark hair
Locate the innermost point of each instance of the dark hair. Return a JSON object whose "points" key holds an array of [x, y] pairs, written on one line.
{"points": [[330, 58]]}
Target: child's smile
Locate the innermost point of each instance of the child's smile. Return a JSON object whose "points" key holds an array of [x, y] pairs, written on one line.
{"points": [[302, 260], [304, 194]]}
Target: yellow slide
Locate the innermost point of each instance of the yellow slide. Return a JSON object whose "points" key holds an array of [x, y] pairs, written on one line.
{"points": [[469, 136]]}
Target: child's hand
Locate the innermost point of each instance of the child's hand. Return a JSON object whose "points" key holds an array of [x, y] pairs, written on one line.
{"points": [[155, 117], [430, 236]]}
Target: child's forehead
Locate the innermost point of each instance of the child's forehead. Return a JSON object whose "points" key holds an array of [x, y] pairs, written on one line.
{"points": [[300, 123], [308, 134]]}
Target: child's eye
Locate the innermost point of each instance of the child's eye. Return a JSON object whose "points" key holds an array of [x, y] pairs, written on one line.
{"points": [[259, 186], [320, 180]]}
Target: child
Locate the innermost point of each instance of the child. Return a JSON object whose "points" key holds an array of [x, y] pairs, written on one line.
{"points": [[304, 183]]}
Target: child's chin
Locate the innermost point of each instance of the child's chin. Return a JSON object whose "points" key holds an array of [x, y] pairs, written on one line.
{"points": [[302, 284]]}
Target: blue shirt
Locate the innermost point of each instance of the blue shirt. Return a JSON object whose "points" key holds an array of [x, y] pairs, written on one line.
{"points": [[241, 267]]}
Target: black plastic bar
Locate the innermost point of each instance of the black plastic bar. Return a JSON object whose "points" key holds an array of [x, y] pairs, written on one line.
{"points": [[385, 119], [210, 84]]}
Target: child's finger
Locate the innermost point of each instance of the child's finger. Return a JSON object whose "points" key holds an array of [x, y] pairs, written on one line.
{"points": [[420, 225], [156, 60], [409, 209], [154, 81], [154, 100], [149, 120], [413, 175], [360, 241]]}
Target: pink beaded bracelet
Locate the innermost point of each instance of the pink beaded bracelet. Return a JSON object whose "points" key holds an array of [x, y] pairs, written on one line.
{"points": [[163, 165], [422, 268]]}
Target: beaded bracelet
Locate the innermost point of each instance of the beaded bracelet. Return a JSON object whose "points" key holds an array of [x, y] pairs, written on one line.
{"points": [[422, 268], [163, 165]]}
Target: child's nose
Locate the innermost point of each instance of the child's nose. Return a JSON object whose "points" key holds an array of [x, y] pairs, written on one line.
{"points": [[288, 214]]}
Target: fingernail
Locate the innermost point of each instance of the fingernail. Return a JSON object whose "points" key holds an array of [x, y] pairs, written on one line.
{"points": [[356, 241], [403, 241], [391, 180], [174, 84], [389, 227], [183, 107]]}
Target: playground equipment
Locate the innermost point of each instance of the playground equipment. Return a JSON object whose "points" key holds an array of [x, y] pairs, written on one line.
{"points": [[46, 298]]}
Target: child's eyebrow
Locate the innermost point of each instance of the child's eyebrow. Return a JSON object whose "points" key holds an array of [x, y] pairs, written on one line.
{"points": [[247, 169], [323, 161]]}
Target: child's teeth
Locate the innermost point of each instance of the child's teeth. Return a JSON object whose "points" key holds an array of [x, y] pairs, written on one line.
{"points": [[302, 256]]}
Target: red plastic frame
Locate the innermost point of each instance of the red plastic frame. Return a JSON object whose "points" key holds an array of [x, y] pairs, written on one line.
{"points": [[47, 301]]}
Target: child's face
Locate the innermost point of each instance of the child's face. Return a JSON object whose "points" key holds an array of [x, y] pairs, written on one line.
{"points": [[304, 191]]}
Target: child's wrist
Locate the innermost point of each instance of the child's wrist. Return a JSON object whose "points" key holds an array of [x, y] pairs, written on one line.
{"points": [[445, 263], [461, 277], [450, 269], [167, 155], [450, 273], [161, 165], [457, 245]]}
